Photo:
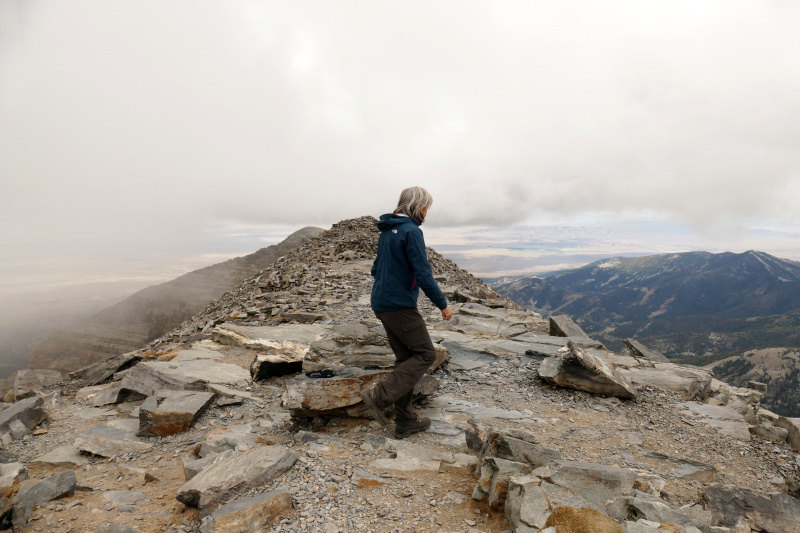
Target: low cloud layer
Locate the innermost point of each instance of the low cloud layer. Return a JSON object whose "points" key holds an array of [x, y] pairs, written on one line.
{"points": [[137, 126]]}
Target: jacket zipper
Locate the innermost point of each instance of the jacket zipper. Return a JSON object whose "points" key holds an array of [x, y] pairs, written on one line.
{"points": [[415, 282]]}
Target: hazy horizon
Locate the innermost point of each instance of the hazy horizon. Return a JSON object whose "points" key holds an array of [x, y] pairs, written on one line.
{"points": [[132, 130]]}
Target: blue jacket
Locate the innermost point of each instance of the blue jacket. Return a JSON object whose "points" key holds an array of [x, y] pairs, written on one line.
{"points": [[401, 268]]}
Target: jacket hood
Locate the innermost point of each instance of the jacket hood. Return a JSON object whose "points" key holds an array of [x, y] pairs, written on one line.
{"points": [[390, 221]]}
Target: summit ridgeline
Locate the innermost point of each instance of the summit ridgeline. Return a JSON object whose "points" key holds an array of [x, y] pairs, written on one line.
{"points": [[247, 417]]}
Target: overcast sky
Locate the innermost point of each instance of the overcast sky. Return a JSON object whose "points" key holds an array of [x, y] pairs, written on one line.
{"points": [[136, 128]]}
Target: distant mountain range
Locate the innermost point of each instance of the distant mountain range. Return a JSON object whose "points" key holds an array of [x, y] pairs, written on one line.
{"points": [[695, 307], [151, 312]]}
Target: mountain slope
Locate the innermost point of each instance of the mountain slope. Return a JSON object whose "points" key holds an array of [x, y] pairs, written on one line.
{"points": [[617, 290], [153, 311], [779, 367], [694, 307]]}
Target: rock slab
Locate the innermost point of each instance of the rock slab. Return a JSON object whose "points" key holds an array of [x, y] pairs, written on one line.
{"points": [[97, 373], [637, 349], [580, 370], [689, 381], [52, 488], [169, 412], [339, 393], [248, 515], [599, 484], [65, 456], [564, 326], [107, 441], [20, 419], [732, 506], [214, 486]]}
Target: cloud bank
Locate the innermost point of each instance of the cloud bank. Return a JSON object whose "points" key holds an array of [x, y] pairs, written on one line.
{"points": [[136, 126]]}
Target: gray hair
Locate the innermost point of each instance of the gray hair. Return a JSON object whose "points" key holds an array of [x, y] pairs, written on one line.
{"points": [[412, 201]]}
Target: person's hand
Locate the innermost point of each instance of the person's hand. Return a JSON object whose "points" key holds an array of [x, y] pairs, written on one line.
{"points": [[447, 313]]}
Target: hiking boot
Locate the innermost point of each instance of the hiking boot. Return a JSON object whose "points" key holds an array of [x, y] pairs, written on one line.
{"points": [[368, 397], [419, 425]]}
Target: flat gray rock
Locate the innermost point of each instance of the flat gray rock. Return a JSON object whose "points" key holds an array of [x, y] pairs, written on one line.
{"points": [[265, 337], [214, 486], [195, 374], [148, 377], [20, 418], [65, 456], [52, 488], [329, 353], [465, 357], [254, 514], [690, 381], [492, 327], [192, 467], [564, 326], [97, 373], [779, 513], [115, 394], [599, 484], [445, 402], [578, 369], [688, 469], [196, 353], [637, 349], [169, 412], [107, 441], [724, 419], [581, 342]]}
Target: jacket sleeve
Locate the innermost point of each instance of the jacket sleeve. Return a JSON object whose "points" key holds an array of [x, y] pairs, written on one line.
{"points": [[415, 251]]}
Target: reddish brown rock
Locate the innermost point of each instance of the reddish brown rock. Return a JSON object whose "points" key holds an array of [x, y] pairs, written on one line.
{"points": [[168, 412]]}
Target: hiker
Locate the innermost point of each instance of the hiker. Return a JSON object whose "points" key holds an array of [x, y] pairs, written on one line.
{"points": [[400, 270]]}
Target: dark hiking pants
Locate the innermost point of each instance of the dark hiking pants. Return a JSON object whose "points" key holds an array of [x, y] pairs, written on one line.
{"points": [[413, 348]]}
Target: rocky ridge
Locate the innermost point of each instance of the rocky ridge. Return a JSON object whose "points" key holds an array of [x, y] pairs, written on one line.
{"points": [[212, 427]]}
